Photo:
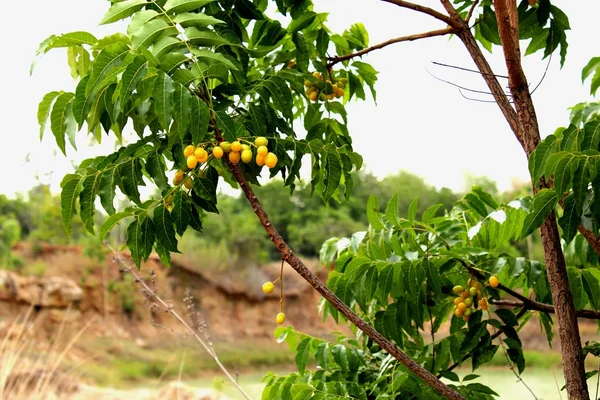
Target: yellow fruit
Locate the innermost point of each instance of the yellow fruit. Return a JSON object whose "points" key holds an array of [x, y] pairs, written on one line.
{"points": [[462, 306], [280, 318], [270, 160], [236, 146], [234, 157], [169, 199], [458, 300], [192, 161], [339, 92], [217, 152], [260, 160], [189, 150], [464, 294], [245, 147], [262, 151], [307, 83], [226, 146], [247, 156], [268, 287], [313, 96], [317, 75], [494, 281], [261, 141], [188, 183], [199, 152], [178, 178], [482, 302], [458, 312], [331, 96]]}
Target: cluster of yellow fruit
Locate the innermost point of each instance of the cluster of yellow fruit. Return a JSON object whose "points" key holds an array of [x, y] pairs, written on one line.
{"points": [[235, 151], [268, 287], [465, 304], [331, 91]]}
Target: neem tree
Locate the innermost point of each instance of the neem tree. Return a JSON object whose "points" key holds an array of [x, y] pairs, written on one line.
{"points": [[212, 89]]}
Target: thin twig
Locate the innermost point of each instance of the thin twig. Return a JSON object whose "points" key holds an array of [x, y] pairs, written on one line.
{"points": [[466, 69], [470, 13], [597, 381], [422, 9], [462, 87], [417, 36], [168, 308]]}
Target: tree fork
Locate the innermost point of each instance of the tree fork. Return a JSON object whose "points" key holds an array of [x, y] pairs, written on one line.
{"points": [[288, 255]]}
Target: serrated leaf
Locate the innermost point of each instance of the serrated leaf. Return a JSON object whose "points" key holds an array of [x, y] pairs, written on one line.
{"points": [[212, 57], [87, 198], [129, 172], [591, 285], [165, 233], [163, 99], [302, 353], [147, 34], [140, 239], [373, 213], [302, 21], [122, 10], [132, 75], [155, 165], [570, 220], [110, 223], [107, 190], [198, 20], [139, 19], [180, 6], [61, 118], [181, 213], [537, 160], [333, 174], [109, 58], [44, 110], [391, 211], [68, 198], [543, 203], [204, 38], [199, 117], [181, 109], [163, 254]]}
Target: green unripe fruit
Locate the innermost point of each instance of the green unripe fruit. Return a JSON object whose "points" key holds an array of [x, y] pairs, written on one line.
{"points": [[468, 312], [457, 289], [468, 301], [473, 292]]}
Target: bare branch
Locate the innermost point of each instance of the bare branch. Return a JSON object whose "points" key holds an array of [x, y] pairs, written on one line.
{"points": [[537, 306], [421, 9], [592, 239], [465, 69], [417, 36], [461, 87]]}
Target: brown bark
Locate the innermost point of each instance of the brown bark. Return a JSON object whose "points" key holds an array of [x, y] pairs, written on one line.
{"points": [[562, 297]]}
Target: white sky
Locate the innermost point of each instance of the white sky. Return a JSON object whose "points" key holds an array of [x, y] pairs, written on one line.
{"points": [[419, 123]]}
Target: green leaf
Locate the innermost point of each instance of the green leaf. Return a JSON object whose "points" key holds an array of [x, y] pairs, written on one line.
{"points": [[576, 283], [333, 174], [44, 110], [302, 353], [139, 20], [198, 20], [122, 10], [204, 38], [68, 197], [412, 210], [373, 213], [181, 109], [150, 31], [108, 59], [107, 190], [181, 212], [543, 203], [87, 197], [130, 174], [212, 57], [140, 239], [570, 220], [62, 119], [199, 117], [302, 21], [180, 6], [591, 278], [430, 213], [110, 223], [132, 75], [155, 165], [165, 233], [391, 211], [537, 160], [163, 99]]}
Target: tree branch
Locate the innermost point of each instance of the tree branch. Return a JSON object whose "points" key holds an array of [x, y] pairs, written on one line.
{"points": [[422, 9], [592, 239], [536, 306], [417, 36], [471, 10]]}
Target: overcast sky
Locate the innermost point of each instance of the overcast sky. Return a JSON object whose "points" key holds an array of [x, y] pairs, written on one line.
{"points": [[419, 124]]}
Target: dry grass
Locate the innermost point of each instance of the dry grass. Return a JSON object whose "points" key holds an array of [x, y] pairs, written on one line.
{"points": [[31, 370]]}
